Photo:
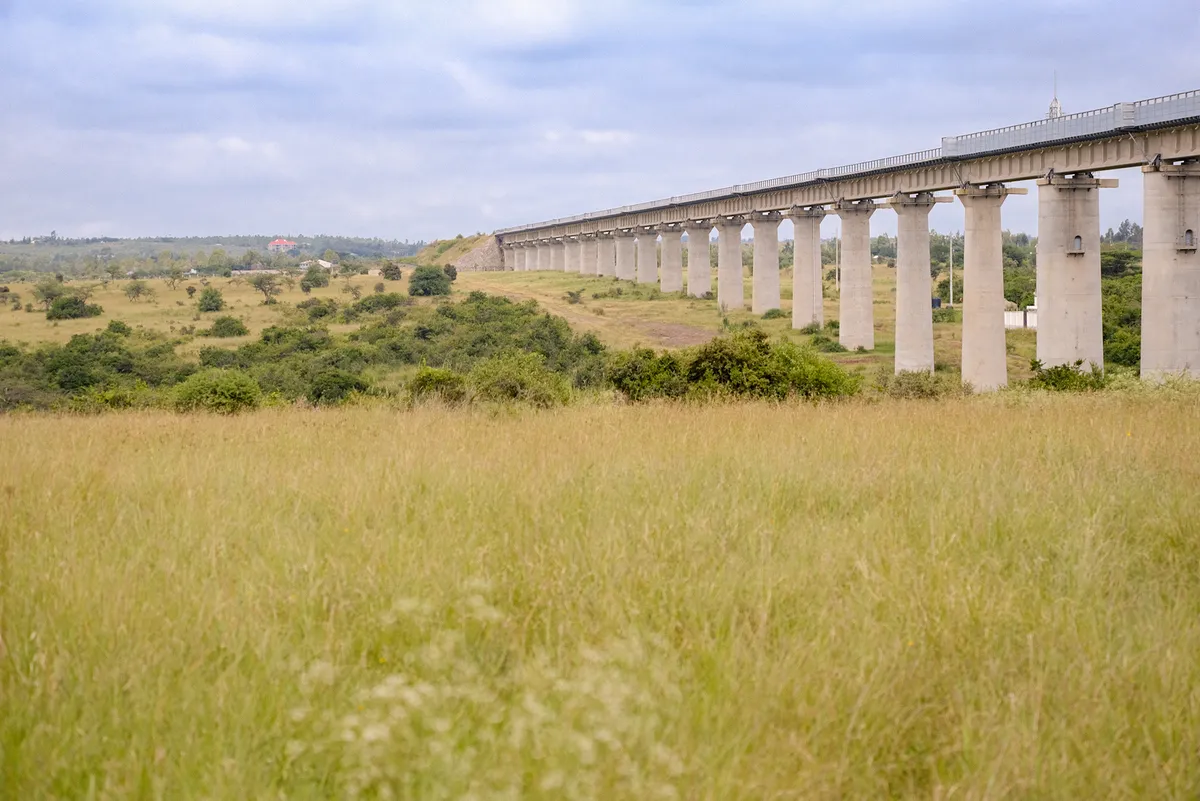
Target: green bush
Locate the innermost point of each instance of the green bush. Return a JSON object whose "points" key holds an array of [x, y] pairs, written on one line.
{"points": [[119, 328], [747, 365], [331, 387], [382, 302], [211, 300], [318, 308], [774, 314], [812, 329], [428, 281], [823, 344], [640, 374], [391, 272], [221, 391], [440, 383], [71, 307], [918, 384], [225, 327], [946, 314], [451, 272], [1067, 377], [520, 377], [316, 276]]}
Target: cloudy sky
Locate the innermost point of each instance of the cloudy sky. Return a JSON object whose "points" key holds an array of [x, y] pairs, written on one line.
{"points": [[406, 119]]}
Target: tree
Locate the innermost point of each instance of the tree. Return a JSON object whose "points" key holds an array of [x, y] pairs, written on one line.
{"points": [[305, 286], [391, 271], [174, 276], [211, 300], [48, 291], [316, 276], [380, 288], [352, 290], [137, 289], [218, 262], [451, 272], [72, 307], [267, 284], [114, 270], [330, 256], [428, 281], [191, 292]]}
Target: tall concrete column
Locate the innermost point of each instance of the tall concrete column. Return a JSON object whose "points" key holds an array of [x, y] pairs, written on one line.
{"points": [[626, 266], [558, 253], [570, 254], [606, 255], [984, 358], [672, 259], [808, 296], [513, 258], [857, 324], [587, 254], [914, 308], [731, 291], [1170, 270], [699, 273], [543, 259], [765, 282], [647, 256], [1068, 270]]}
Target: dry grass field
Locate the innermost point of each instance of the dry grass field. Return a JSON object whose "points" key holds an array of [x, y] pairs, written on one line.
{"points": [[991, 597]]}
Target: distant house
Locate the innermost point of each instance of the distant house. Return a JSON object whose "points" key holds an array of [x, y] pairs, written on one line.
{"points": [[281, 246]]}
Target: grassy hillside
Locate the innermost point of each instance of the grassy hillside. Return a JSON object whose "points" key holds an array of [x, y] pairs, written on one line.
{"points": [[673, 601], [444, 251]]}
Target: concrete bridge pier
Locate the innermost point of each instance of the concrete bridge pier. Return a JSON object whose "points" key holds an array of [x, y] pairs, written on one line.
{"points": [[857, 324], [731, 290], [606, 254], [1171, 270], [765, 282], [515, 258], [647, 256], [984, 357], [672, 259], [626, 269], [543, 255], [808, 304], [914, 311], [699, 274], [558, 253], [570, 254], [587, 254], [1068, 270]]}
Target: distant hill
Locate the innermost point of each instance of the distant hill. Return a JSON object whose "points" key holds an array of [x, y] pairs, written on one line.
{"points": [[446, 251], [56, 253]]}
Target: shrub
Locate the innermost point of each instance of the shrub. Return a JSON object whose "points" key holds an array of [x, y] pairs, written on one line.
{"points": [[440, 383], [806, 374], [746, 364], [812, 329], [221, 391], [521, 377], [428, 281], [918, 384], [1067, 377], [318, 308], [211, 300], [119, 328], [378, 303], [191, 292], [332, 386], [824, 344], [574, 297], [391, 272], [946, 314], [774, 314], [640, 374], [71, 307], [226, 327], [451, 272], [380, 288]]}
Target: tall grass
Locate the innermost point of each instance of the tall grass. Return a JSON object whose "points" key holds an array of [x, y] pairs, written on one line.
{"points": [[986, 598]]}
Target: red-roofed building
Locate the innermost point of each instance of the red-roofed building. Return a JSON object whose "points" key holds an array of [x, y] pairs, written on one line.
{"points": [[281, 246]]}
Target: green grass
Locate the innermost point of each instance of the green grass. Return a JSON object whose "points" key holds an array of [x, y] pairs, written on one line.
{"points": [[743, 601]]}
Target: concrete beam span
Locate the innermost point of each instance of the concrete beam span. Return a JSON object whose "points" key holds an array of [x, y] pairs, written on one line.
{"points": [[626, 256], [1171, 270], [647, 256], [808, 304], [857, 315], [1068, 270], [765, 282], [731, 290], [914, 313], [984, 356], [672, 259], [699, 272]]}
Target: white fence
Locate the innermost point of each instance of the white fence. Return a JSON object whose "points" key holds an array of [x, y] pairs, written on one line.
{"points": [[1021, 319]]}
